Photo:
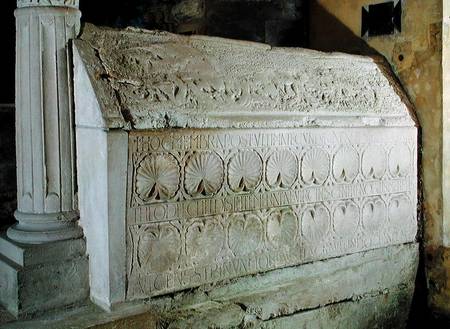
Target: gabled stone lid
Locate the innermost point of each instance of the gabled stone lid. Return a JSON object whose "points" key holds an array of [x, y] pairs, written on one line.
{"points": [[152, 79]]}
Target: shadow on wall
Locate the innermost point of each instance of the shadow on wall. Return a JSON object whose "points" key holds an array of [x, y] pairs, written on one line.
{"points": [[329, 34], [276, 22]]}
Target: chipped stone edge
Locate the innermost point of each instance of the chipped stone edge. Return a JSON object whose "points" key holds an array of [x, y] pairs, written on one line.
{"points": [[171, 118]]}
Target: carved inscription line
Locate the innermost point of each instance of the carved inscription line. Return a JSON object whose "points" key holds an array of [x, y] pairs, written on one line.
{"points": [[241, 203], [191, 140], [149, 284]]}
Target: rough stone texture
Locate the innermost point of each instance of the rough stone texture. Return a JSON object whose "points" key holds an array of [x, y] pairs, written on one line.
{"points": [[148, 79], [293, 196], [419, 57], [46, 3], [364, 290], [333, 172], [34, 279]]}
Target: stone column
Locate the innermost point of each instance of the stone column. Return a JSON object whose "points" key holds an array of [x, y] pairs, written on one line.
{"points": [[44, 122], [43, 262]]}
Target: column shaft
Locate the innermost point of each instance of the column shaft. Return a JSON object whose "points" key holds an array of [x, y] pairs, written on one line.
{"points": [[44, 124]]}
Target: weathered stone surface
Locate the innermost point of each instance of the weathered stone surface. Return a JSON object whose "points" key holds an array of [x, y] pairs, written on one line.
{"points": [[180, 208], [46, 3], [211, 205], [34, 279], [45, 151], [151, 79], [372, 289]]}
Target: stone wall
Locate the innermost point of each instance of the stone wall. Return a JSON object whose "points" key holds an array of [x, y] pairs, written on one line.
{"points": [[280, 23], [416, 56]]}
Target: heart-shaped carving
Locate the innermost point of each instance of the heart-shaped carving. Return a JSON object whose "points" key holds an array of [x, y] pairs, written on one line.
{"points": [[159, 247], [345, 219], [400, 210], [400, 161], [315, 222], [374, 162], [374, 214], [204, 241], [245, 234], [282, 227]]}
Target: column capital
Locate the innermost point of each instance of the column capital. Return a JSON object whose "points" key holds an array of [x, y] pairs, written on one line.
{"points": [[48, 3]]}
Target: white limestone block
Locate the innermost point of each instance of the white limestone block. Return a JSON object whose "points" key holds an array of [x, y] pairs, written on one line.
{"points": [[285, 157], [153, 79]]}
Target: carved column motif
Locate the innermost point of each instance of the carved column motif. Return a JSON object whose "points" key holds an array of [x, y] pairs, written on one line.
{"points": [[44, 121]]}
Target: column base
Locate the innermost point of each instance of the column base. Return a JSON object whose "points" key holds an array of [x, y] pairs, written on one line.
{"points": [[44, 228], [38, 278]]}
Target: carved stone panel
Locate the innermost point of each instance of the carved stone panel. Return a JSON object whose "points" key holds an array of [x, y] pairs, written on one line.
{"points": [[209, 205], [165, 80], [54, 3]]}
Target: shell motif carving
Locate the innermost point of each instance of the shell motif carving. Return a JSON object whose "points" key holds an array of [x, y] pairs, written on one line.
{"points": [[345, 164], [281, 169], [315, 223], [374, 215], [374, 162], [159, 247], [204, 241], [157, 177], [244, 171], [282, 229], [315, 166], [345, 219], [203, 174], [245, 234], [400, 210], [400, 161]]}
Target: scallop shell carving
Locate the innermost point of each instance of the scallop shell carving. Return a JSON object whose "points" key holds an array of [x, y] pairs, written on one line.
{"points": [[374, 215], [158, 177], [244, 171], [203, 174], [281, 169], [345, 219], [315, 222], [159, 247], [345, 165], [374, 162], [400, 161], [315, 166]]}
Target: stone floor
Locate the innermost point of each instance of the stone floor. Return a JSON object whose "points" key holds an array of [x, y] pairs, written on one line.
{"points": [[295, 297]]}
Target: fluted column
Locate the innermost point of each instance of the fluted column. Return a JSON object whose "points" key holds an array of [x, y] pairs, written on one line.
{"points": [[44, 122]]}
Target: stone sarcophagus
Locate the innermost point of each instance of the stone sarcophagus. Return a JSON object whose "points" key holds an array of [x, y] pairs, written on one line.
{"points": [[202, 159]]}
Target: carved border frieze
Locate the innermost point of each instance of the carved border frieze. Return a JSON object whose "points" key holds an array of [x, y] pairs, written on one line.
{"points": [[48, 3]]}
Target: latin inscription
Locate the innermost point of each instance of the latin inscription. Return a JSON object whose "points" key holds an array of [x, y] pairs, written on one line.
{"points": [[210, 205]]}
